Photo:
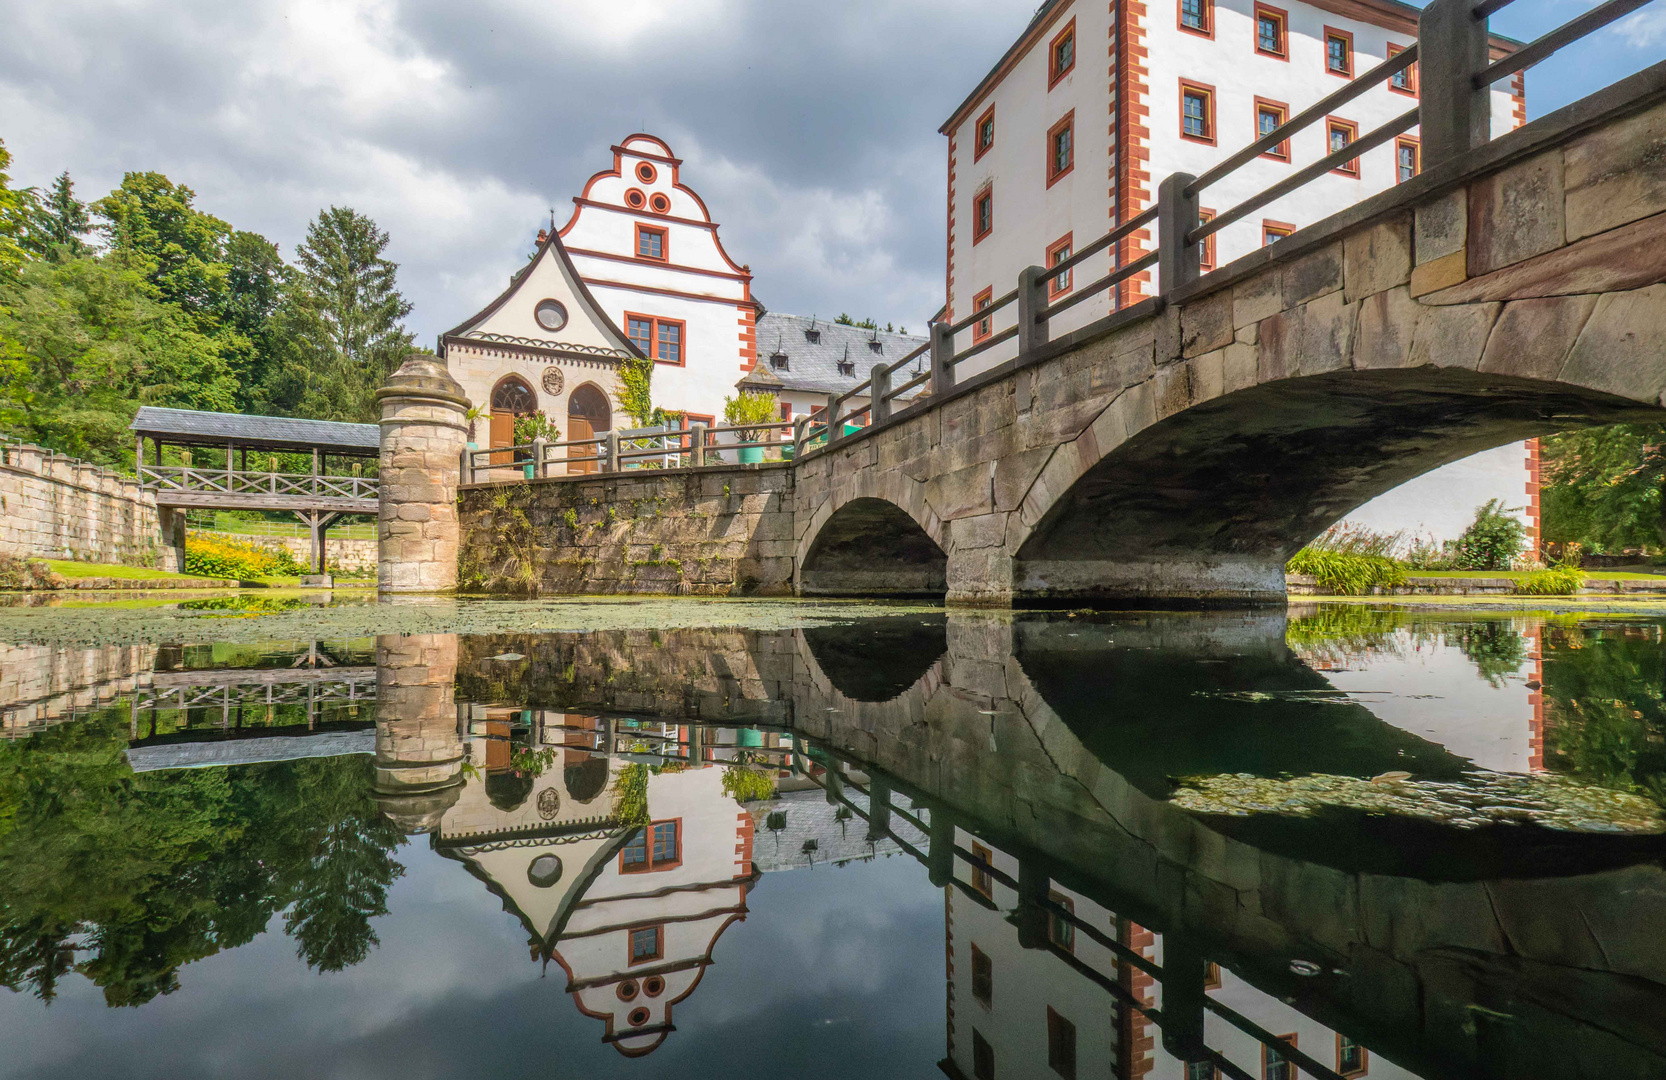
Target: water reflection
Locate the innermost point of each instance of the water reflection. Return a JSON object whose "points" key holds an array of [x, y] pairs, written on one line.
{"points": [[1360, 843]]}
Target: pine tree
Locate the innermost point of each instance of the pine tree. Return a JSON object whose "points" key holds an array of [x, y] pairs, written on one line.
{"points": [[17, 210], [342, 314], [62, 220]]}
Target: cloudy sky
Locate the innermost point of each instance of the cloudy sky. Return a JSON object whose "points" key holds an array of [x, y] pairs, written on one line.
{"points": [[809, 128]]}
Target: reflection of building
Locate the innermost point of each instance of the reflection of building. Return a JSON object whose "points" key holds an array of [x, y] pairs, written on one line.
{"points": [[1041, 1007], [631, 914]]}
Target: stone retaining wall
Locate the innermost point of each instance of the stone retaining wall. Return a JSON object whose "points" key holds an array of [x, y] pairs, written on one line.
{"points": [[342, 553], [714, 531], [62, 508]]}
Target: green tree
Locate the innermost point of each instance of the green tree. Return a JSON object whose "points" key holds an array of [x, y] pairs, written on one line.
{"points": [[17, 210], [1492, 541], [61, 220], [1602, 487], [342, 314]]}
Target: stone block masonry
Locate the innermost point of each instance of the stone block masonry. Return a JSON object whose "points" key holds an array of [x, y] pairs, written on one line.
{"points": [[715, 531], [58, 507]]}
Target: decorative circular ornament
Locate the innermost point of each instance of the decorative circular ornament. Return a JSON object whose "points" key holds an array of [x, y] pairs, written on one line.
{"points": [[551, 315], [544, 871], [638, 1017], [553, 380], [549, 800], [646, 172], [635, 199], [626, 990], [660, 204]]}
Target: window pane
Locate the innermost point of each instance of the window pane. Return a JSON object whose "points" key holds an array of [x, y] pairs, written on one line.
{"points": [[983, 977], [670, 343], [1196, 119], [983, 1058], [650, 243], [1269, 121], [636, 851], [1336, 54], [1065, 54], [986, 134], [1061, 151], [1061, 282], [1268, 29], [1191, 13], [1061, 1045], [645, 943], [665, 842], [642, 335]]}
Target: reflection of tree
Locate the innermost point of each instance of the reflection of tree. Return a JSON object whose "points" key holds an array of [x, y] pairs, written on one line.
{"points": [[1605, 722], [1495, 647], [125, 878]]}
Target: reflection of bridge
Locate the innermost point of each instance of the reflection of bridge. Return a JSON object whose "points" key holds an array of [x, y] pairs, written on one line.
{"points": [[996, 736], [1186, 446], [316, 497]]}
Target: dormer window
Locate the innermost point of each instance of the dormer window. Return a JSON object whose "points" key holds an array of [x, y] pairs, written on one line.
{"points": [[813, 336], [877, 346], [778, 361], [847, 367]]}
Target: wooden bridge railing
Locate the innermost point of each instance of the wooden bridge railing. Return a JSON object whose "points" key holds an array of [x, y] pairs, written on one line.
{"points": [[188, 479]]}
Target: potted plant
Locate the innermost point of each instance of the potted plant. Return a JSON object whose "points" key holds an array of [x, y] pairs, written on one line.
{"points": [[529, 426], [751, 408]]}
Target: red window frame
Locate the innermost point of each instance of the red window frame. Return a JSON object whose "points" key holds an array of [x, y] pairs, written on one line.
{"points": [[664, 235], [655, 322], [1061, 1045], [1283, 18], [978, 148], [1055, 72], [1347, 39], [1278, 230], [1208, 92], [1060, 933], [1067, 124], [1336, 123], [1415, 145], [1410, 89], [1281, 152], [1290, 1066], [986, 999], [653, 865], [979, 228], [983, 882], [984, 326], [1208, 10], [659, 944], [1206, 258], [1364, 1060], [1058, 251]]}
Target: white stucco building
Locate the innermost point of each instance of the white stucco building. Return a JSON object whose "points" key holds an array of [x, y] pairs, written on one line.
{"points": [[1077, 124]]}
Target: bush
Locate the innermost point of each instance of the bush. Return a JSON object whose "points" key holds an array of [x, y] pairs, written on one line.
{"points": [[1561, 581], [1346, 573], [19, 572], [746, 785], [218, 557], [1492, 541]]}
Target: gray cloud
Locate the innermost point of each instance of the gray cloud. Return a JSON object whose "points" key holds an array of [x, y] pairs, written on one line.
{"points": [[810, 129]]}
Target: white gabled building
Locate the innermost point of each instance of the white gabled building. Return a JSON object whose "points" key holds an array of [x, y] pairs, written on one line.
{"points": [[1081, 119]]}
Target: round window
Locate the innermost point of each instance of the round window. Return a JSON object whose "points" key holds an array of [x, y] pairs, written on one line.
{"points": [[627, 990], [551, 315], [635, 198], [646, 173], [544, 871], [638, 1017], [660, 204], [654, 986]]}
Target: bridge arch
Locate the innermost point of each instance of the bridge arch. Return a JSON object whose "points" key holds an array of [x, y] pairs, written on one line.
{"points": [[887, 542]]}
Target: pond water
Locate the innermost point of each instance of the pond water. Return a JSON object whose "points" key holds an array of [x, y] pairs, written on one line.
{"points": [[1341, 841]]}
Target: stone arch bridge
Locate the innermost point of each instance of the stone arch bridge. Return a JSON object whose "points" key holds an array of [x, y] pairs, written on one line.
{"points": [[1185, 447]]}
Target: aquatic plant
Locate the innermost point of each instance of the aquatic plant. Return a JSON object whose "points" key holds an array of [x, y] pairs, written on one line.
{"points": [[1558, 581], [1346, 573]]}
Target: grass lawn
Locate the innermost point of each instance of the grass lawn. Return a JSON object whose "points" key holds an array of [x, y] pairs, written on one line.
{"points": [[69, 568]]}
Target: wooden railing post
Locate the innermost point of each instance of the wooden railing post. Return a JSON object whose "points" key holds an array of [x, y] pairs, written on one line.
{"points": [[879, 384], [540, 447], [613, 463], [942, 359], [1179, 261], [801, 430], [1032, 301], [697, 435], [1455, 116]]}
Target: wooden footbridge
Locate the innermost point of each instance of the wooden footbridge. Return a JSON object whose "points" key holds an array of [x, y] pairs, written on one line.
{"points": [[318, 497]]}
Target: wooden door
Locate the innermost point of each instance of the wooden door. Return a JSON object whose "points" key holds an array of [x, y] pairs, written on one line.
{"points": [[581, 428], [503, 434]]}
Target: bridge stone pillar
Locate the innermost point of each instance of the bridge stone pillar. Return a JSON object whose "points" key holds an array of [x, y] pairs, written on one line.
{"points": [[979, 577], [423, 433], [419, 747]]}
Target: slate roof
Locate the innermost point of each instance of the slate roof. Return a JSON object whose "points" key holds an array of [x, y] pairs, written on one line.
{"points": [[189, 426], [814, 365]]}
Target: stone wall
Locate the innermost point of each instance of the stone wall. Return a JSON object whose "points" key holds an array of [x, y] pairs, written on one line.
{"points": [[43, 684], [715, 531], [63, 508], [343, 554]]}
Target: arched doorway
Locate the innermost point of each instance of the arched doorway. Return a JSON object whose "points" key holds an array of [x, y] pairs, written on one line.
{"points": [[511, 397], [589, 414]]}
